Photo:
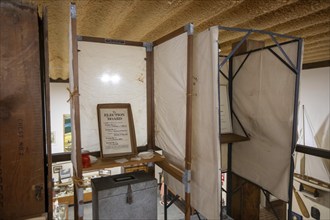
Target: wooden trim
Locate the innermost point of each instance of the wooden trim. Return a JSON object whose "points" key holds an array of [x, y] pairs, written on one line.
{"points": [[232, 138], [66, 156], [111, 162], [70, 200], [109, 41], [315, 65], [169, 36], [48, 153], [150, 100], [170, 169], [189, 118], [59, 157], [58, 80], [75, 106]]}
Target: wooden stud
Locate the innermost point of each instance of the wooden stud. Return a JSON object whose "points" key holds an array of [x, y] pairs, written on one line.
{"points": [[189, 119], [169, 36], [150, 100], [110, 41], [46, 88], [75, 113]]}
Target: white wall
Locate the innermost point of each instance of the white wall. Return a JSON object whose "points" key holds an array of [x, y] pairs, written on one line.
{"points": [[58, 106], [315, 96]]}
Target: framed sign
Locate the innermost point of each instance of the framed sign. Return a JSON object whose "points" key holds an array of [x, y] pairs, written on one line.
{"points": [[225, 113], [116, 130]]}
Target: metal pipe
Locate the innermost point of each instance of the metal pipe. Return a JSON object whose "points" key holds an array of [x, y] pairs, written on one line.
{"points": [[256, 31], [294, 127]]}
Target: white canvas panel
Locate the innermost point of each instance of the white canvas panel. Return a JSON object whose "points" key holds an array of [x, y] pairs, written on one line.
{"points": [[111, 74], [205, 182], [263, 99], [170, 78]]}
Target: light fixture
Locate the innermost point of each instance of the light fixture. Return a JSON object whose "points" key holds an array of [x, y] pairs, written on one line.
{"points": [[113, 78]]}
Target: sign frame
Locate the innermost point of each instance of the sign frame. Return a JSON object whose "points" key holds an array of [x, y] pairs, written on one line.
{"points": [[116, 127]]}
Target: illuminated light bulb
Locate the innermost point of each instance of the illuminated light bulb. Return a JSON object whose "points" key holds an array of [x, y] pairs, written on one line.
{"points": [[114, 79]]}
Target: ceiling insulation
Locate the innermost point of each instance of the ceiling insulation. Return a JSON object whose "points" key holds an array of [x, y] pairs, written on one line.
{"points": [[148, 20]]}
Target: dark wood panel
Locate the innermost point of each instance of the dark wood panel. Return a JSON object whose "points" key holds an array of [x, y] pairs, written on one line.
{"points": [[21, 116], [315, 65], [245, 199], [232, 138], [43, 30]]}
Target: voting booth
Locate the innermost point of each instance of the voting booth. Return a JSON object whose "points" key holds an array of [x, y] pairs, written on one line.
{"points": [[187, 99]]}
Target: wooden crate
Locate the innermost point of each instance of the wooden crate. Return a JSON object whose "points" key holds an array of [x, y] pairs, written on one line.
{"points": [[22, 173]]}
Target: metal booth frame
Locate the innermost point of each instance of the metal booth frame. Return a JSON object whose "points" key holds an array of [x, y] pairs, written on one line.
{"points": [[231, 76]]}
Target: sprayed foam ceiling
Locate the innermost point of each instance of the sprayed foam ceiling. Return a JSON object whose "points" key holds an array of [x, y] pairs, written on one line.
{"points": [[148, 20]]}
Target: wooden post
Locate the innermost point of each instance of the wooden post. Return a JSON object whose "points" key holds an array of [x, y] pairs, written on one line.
{"points": [[75, 115], [189, 122], [46, 99], [150, 99]]}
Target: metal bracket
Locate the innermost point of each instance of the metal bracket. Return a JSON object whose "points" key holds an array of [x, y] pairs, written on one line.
{"points": [[148, 46], [189, 28], [73, 11], [186, 178]]}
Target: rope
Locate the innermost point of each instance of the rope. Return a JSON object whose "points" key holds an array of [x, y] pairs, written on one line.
{"points": [[79, 182], [72, 94]]}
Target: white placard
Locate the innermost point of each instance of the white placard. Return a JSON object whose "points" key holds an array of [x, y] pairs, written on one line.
{"points": [[116, 130]]}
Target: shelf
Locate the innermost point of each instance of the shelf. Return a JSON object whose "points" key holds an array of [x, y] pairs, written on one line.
{"points": [[69, 199], [231, 138], [171, 169], [110, 162]]}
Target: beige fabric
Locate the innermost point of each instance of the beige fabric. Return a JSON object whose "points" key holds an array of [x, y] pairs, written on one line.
{"points": [[170, 75], [170, 78], [170, 105], [205, 182], [111, 73], [263, 99]]}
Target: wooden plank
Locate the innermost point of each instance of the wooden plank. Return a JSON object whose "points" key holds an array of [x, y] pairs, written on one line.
{"points": [[21, 114], [110, 41], [232, 138], [315, 65], [75, 113], [169, 36], [110, 162], [45, 62], [70, 199], [189, 118], [150, 100], [171, 169], [245, 199]]}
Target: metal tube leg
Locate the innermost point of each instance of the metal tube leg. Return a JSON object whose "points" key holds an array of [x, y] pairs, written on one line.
{"points": [[165, 201]]}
